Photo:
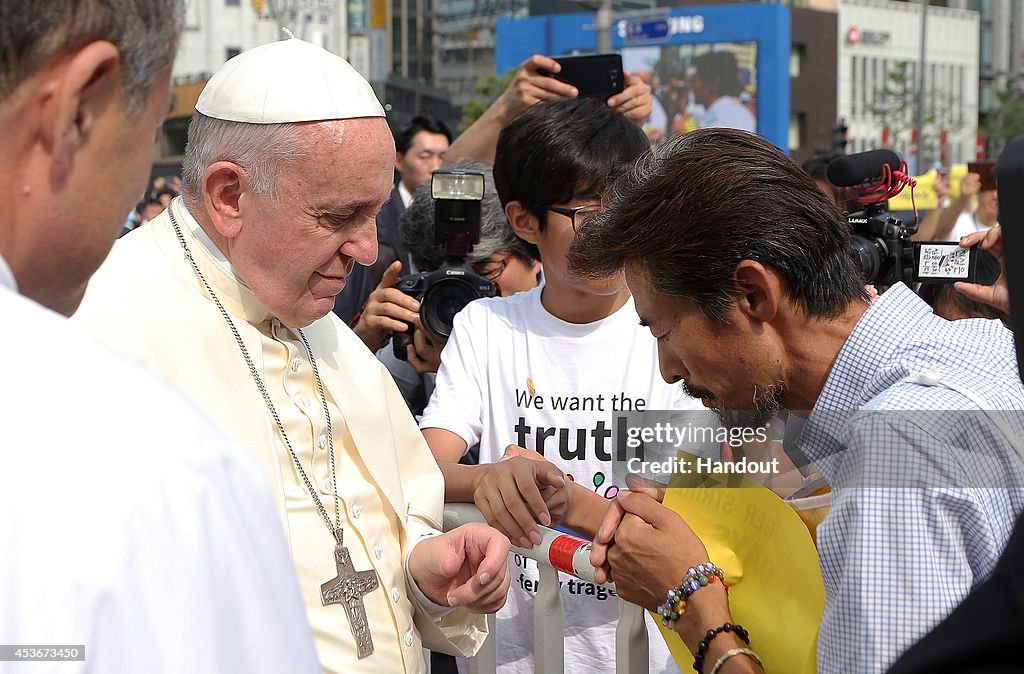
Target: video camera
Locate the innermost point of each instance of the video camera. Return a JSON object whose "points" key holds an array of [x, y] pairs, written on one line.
{"points": [[444, 292], [881, 242]]}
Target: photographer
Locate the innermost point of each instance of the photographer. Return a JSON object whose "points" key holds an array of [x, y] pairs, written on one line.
{"points": [[911, 419], [500, 256]]}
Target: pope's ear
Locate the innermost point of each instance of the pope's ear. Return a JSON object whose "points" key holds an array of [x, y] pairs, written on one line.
{"points": [[224, 186], [524, 224]]}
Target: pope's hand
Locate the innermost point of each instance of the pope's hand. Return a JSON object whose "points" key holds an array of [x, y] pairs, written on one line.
{"points": [[645, 548], [467, 566], [519, 491]]}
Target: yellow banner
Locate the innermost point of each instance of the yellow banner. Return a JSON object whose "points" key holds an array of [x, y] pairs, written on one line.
{"points": [[770, 564], [924, 195]]}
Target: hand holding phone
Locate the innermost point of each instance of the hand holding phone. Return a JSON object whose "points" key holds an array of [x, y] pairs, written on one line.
{"points": [[594, 76]]}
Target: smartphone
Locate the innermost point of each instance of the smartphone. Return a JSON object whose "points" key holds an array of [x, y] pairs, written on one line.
{"points": [[594, 76], [944, 262], [987, 171]]}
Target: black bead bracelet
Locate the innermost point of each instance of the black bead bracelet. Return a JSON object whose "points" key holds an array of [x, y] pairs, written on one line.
{"points": [[705, 643]]}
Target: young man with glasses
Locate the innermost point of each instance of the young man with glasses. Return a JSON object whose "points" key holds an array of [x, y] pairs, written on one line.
{"points": [[549, 370]]}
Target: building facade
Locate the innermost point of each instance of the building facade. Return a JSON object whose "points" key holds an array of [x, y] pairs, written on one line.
{"points": [[879, 79]]}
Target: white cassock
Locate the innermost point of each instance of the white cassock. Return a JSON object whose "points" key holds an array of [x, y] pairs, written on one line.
{"points": [[147, 303], [127, 523]]}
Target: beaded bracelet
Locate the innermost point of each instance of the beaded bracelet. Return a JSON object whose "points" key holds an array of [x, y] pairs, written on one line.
{"points": [[696, 577], [736, 651], [702, 649]]}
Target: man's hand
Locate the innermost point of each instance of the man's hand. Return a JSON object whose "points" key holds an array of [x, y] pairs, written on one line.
{"points": [[645, 548], [517, 492], [635, 101], [998, 294], [970, 185], [529, 87], [387, 310], [467, 566], [423, 354]]}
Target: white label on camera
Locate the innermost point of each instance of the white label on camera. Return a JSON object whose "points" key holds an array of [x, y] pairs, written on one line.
{"points": [[943, 260]]}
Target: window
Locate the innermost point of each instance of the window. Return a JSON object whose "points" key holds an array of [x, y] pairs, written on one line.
{"points": [[232, 3], [231, 52]]}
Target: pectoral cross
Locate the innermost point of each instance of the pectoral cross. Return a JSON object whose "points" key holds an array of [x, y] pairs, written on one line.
{"points": [[348, 589]]}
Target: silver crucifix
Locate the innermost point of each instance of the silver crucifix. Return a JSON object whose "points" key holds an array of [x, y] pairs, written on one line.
{"points": [[348, 589]]}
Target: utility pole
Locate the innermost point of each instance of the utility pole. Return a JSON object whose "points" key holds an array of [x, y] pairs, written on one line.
{"points": [[921, 66], [604, 17]]}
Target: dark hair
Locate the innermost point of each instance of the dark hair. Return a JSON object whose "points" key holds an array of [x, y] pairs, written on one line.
{"points": [[145, 33], [817, 168], [721, 66], [416, 226], [563, 149], [427, 123], [938, 294], [148, 201], [695, 207]]}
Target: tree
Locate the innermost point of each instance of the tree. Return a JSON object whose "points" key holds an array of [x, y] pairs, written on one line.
{"points": [[895, 108], [1006, 120], [488, 88]]}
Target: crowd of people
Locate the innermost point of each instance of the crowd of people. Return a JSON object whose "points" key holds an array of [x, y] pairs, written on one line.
{"points": [[274, 501]]}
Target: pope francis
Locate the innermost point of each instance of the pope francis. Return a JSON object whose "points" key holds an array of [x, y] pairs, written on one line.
{"points": [[228, 295]]}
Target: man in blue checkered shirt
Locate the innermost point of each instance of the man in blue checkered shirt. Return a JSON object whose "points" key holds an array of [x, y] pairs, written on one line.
{"points": [[742, 269]]}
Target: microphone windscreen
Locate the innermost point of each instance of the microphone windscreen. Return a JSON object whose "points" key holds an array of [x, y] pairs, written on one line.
{"points": [[854, 169]]}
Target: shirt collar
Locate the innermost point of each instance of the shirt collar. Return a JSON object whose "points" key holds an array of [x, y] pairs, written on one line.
{"points": [[7, 279], [861, 369], [405, 194]]}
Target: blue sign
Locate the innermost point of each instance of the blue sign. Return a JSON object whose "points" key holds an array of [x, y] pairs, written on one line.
{"points": [[757, 34], [646, 29]]}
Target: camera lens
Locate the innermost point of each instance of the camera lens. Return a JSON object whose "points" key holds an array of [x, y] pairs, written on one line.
{"points": [[869, 254], [441, 302]]}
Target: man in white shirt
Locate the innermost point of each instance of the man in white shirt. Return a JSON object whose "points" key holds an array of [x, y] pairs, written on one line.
{"points": [[132, 532], [552, 370], [715, 82]]}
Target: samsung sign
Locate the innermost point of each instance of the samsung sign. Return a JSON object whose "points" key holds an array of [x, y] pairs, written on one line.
{"points": [[638, 30]]}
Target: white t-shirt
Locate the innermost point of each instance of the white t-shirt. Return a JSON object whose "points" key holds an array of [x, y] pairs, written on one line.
{"points": [[728, 112], [966, 223], [512, 373]]}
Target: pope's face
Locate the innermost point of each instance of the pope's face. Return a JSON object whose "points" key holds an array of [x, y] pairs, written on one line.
{"points": [[296, 249]]}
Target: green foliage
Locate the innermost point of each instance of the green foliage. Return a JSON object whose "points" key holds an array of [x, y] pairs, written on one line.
{"points": [[895, 107], [1006, 121], [487, 88]]}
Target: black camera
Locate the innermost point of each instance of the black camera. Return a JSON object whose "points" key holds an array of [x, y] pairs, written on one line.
{"points": [[445, 291], [882, 244]]}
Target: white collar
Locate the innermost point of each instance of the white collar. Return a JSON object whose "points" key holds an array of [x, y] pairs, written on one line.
{"points": [[201, 234], [404, 192], [7, 279]]}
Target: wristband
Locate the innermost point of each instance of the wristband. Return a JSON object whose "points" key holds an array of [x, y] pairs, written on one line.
{"points": [[696, 577], [702, 649], [736, 651]]}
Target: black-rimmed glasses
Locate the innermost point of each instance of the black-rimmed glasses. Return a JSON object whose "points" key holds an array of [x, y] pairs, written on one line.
{"points": [[577, 213], [491, 269]]}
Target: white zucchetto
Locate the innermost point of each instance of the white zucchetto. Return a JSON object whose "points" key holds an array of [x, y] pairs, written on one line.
{"points": [[287, 81]]}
